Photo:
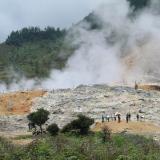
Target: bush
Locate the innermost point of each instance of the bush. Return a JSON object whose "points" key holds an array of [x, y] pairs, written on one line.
{"points": [[106, 133], [81, 125], [68, 127], [53, 129]]}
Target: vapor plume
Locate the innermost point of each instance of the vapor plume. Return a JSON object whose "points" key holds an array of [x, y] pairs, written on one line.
{"points": [[125, 48]]}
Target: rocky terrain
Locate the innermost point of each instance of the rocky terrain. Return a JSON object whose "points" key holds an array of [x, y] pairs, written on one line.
{"points": [[92, 101], [14, 107], [96, 100]]}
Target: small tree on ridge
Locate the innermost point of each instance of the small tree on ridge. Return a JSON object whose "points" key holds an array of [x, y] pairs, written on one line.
{"points": [[39, 117]]}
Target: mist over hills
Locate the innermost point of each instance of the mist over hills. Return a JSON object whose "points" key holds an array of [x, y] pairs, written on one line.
{"points": [[33, 55]]}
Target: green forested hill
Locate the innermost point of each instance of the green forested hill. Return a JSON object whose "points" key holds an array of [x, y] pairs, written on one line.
{"points": [[33, 52]]}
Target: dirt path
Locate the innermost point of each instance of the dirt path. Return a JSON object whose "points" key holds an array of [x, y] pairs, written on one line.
{"points": [[141, 128], [20, 138]]}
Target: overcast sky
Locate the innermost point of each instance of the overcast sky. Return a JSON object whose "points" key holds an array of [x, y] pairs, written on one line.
{"points": [[15, 14]]}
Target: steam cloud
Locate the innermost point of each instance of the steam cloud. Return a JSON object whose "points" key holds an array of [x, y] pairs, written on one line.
{"points": [[124, 50]]}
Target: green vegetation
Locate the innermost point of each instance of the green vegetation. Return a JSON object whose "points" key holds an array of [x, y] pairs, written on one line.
{"points": [[106, 134], [80, 125], [53, 129], [39, 117], [20, 137], [33, 53], [65, 147], [38, 58], [32, 34]]}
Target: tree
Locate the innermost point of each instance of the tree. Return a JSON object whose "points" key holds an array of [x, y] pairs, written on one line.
{"points": [[39, 118], [32, 34], [82, 124], [53, 129]]}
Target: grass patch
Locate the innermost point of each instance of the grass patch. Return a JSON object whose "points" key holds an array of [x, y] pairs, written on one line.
{"points": [[23, 137]]}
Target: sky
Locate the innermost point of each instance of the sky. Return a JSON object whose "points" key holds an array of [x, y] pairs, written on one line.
{"points": [[16, 14]]}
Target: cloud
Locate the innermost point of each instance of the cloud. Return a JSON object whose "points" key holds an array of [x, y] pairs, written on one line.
{"points": [[15, 14]]}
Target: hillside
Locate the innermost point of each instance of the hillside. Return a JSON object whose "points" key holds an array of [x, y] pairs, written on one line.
{"points": [[93, 101], [32, 52], [18, 103]]}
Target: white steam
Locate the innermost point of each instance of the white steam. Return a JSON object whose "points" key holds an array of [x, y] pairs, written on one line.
{"points": [[93, 62], [125, 49]]}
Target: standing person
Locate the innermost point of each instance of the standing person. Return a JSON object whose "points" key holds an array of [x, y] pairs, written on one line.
{"points": [[119, 118], [136, 86], [112, 117], [102, 119], [127, 117], [29, 126], [108, 118], [137, 117]]}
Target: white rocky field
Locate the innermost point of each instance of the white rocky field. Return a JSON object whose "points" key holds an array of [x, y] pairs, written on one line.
{"points": [[96, 100], [92, 101]]}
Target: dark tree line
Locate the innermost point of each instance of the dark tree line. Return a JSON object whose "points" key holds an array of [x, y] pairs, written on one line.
{"points": [[17, 38]]}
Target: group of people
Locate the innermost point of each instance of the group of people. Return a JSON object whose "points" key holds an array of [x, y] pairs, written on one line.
{"points": [[114, 117], [117, 117]]}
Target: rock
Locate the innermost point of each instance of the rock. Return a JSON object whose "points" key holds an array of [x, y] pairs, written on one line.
{"points": [[123, 102], [106, 96], [123, 132], [141, 99], [141, 111], [58, 111]]}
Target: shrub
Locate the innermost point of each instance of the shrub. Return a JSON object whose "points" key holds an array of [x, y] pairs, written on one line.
{"points": [[106, 133], [53, 129], [68, 127], [81, 124]]}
